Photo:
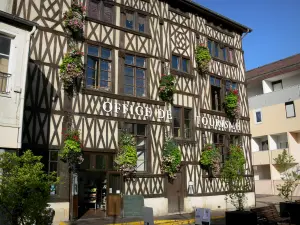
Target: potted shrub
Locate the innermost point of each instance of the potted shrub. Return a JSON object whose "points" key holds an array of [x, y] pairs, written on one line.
{"points": [[203, 58], [284, 163], [233, 175], [71, 152], [231, 104], [71, 69], [167, 88], [74, 19], [126, 158], [171, 159], [210, 160]]}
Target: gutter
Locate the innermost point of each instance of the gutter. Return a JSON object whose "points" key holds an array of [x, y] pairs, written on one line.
{"points": [[24, 77]]}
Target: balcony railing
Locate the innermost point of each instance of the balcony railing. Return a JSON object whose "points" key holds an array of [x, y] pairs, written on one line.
{"points": [[4, 83], [274, 98]]}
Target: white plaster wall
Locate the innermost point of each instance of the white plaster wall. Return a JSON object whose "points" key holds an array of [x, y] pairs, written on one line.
{"points": [[217, 202], [291, 81], [273, 142], [267, 86], [159, 205], [255, 90], [10, 113], [6, 5], [255, 145], [61, 212]]}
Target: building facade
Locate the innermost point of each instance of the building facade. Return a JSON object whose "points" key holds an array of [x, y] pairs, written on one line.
{"points": [[274, 102], [129, 45]]}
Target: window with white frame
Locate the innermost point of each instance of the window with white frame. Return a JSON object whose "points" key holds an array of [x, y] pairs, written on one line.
{"points": [[258, 116], [5, 43], [290, 109]]}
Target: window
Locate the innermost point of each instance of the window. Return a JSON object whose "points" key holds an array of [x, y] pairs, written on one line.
{"points": [[290, 109], [230, 85], [277, 85], [135, 76], [258, 116], [99, 68], [265, 145], [139, 131], [182, 118], [136, 21], [4, 62], [221, 51], [235, 139], [219, 142], [180, 63], [52, 167], [215, 85], [100, 10]]}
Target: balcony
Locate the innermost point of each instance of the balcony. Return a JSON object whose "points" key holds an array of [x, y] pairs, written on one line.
{"points": [[260, 158], [274, 98], [4, 83]]}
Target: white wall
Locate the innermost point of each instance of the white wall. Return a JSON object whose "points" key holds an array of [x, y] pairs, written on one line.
{"points": [[291, 81], [267, 86], [262, 172], [11, 104], [254, 90], [6, 5]]}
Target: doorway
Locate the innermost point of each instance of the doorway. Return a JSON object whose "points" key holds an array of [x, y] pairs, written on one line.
{"points": [[175, 194]]}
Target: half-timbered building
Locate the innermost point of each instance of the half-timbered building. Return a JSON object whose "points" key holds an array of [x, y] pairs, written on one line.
{"points": [[129, 44]]}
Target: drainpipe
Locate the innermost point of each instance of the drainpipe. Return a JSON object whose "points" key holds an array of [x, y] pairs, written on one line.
{"points": [[24, 78]]}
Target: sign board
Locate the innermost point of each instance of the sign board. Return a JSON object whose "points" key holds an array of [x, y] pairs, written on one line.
{"points": [[148, 216], [218, 124], [202, 216], [133, 205]]}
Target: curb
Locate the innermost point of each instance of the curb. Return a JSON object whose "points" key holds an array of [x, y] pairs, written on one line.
{"points": [[160, 222]]}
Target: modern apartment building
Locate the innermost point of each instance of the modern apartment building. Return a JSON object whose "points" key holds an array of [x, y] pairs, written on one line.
{"points": [[274, 103]]}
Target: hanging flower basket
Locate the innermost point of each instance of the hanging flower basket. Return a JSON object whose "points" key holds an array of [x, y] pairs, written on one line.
{"points": [[203, 58], [74, 18], [167, 88], [231, 104], [71, 68], [126, 159], [72, 153], [171, 159], [210, 160]]}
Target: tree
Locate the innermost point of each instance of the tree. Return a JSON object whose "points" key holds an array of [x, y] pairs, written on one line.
{"points": [[24, 189], [284, 162]]}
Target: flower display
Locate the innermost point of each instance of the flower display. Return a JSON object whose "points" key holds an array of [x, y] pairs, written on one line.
{"points": [[203, 58], [74, 18], [171, 159], [167, 88], [72, 150], [210, 159], [71, 67], [231, 104]]}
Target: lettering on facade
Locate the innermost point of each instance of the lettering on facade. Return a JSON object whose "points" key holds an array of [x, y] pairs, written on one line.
{"points": [[218, 124], [118, 108]]}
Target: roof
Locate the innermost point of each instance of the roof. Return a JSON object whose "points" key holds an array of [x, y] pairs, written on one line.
{"points": [[282, 66], [16, 21], [222, 18]]}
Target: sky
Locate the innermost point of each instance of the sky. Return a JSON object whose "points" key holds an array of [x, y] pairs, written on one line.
{"points": [[275, 27]]}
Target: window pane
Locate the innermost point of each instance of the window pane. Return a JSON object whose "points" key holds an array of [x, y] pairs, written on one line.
{"points": [[129, 80], [224, 53], [141, 23], [277, 86], [141, 129], [4, 45], [176, 132], [218, 82], [185, 65], [290, 110], [187, 114], [140, 83], [228, 85], [104, 84], [100, 162], [141, 143], [107, 17], [129, 20], [175, 62], [212, 80], [53, 155], [93, 50], [234, 86], [176, 112], [128, 90], [140, 62], [209, 46], [129, 127], [53, 167], [140, 92], [258, 117], [128, 71], [216, 50], [104, 75], [105, 53], [230, 55], [92, 63], [92, 77], [129, 59], [93, 9], [141, 160], [4, 64], [140, 74]]}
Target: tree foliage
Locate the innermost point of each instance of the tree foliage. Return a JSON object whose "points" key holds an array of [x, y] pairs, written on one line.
{"points": [[24, 189]]}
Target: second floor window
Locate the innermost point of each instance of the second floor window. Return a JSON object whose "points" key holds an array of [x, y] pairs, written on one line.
{"points": [[99, 68], [135, 76], [100, 10], [219, 142], [136, 21], [219, 51], [277, 85], [182, 118], [180, 63], [215, 86], [230, 85]]}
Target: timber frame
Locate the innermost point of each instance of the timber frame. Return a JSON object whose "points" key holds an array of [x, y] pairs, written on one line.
{"points": [[170, 31]]}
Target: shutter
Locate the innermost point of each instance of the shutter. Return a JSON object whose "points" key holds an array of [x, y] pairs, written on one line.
{"points": [[94, 9], [107, 14]]}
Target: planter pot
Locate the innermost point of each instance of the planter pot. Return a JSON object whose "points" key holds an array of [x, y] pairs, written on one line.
{"points": [[291, 209], [240, 217]]}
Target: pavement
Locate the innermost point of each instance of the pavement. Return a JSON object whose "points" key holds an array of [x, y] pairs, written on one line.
{"points": [[217, 217]]}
